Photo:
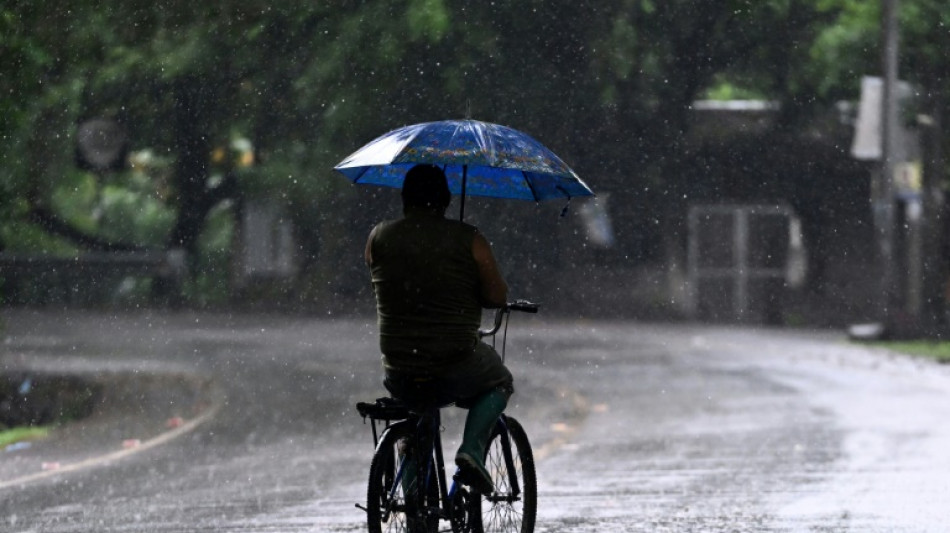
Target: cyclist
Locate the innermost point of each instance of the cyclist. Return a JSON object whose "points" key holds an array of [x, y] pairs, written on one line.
{"points": [[432, 276]]}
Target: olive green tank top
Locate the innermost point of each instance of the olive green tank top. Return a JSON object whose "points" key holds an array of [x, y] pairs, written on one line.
{"points": [[427, 292]]}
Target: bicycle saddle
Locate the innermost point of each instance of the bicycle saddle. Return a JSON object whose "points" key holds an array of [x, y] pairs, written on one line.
{"points": [[384, 409], [389, 409]]}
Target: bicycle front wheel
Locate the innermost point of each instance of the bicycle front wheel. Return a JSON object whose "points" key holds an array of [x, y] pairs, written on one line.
{"points": [[512, 505]]}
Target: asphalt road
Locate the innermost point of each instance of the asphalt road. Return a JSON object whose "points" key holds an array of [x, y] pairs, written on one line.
{"points": [[636, 427]]}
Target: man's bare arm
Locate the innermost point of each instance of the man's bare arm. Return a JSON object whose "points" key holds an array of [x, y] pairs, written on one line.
{"points": [[494, 290], [368, 252]]}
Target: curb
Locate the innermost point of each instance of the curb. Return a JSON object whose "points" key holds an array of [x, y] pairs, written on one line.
{"points": [[216, 401]]}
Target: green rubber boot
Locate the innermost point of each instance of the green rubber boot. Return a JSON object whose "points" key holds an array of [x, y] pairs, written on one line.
{"points": [[478, 426]]}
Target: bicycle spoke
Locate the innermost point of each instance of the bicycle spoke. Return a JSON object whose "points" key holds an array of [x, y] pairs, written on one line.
{"points": [[387, 508], [511, 505], [394, 504]]}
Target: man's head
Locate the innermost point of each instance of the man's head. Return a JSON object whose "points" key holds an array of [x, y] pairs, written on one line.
{"points": [[425, 187]]}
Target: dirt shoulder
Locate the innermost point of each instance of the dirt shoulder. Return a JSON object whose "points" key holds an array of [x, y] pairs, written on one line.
{"points": [[109, 413]]}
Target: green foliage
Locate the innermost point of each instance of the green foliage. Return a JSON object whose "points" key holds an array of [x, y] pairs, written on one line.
{"points": [[728, 90], [211, 284], [76, 198], [21, 434], [936, 350], [23, 238], [128, 215], [427, 19], [849, 45], [846, 49]]}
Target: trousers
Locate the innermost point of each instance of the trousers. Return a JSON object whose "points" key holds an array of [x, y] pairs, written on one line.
{"points": [[475, 374]]}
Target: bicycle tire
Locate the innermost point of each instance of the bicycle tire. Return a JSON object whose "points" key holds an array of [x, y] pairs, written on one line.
{"points": [[512, 507], [385, 507], [389, 509]]}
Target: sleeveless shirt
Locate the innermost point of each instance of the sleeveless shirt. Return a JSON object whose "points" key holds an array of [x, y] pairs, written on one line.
{"points": [[427, 292]]}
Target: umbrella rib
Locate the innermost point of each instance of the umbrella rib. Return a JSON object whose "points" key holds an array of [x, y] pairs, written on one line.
{"points": [[527, 182], [490, 148], [360, 175]]}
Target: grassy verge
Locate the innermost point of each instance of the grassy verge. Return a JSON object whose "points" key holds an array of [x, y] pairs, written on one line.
{"points": [[936, 350], [10, 436]]}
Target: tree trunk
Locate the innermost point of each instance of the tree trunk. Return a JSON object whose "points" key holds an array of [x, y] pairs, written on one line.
{"points": [[192, 148]]}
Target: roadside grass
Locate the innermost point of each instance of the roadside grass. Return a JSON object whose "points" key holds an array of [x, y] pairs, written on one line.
{"points": [[936, 350], [18, 434]]}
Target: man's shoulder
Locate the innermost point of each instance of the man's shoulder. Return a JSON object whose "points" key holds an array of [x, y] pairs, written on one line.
{"points": [[444, 223], [384, 224], [415, 224], [462, 230], [461, 226]]}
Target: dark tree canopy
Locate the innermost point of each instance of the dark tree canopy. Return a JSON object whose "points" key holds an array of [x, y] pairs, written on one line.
{"points": [[608, 85]]}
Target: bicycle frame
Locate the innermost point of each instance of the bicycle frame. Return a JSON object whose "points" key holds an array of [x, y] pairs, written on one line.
{"points": [[420, 430], [423, 449], [428, 445]]}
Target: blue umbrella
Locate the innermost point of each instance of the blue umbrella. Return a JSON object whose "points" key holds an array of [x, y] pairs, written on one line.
{"points": [[479, 159]]}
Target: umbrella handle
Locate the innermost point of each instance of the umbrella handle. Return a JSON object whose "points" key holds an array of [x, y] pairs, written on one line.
{"points": [[464, 184]]}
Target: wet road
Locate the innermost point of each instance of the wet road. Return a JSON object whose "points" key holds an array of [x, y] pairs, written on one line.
{"points": [[636, 427]]}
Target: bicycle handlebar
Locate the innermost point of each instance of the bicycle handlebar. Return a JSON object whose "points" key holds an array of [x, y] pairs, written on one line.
{"points": [[519, 305], [524, 306]]}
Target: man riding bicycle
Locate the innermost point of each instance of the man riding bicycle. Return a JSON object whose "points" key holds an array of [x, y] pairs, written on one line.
{"points": [[432, 276]]}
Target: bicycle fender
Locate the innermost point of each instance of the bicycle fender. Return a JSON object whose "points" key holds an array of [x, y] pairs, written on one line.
{"points": [[396, 426]]}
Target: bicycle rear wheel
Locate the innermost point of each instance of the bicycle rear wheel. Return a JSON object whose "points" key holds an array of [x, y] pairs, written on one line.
{"points": [[386, 502], [512, 505], [391, 497]]}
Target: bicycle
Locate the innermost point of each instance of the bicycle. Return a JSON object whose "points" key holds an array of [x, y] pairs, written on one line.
{"points": [[407, 489]]}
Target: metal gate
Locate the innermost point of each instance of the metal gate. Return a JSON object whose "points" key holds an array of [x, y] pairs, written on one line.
{"points": [[737, 261]]}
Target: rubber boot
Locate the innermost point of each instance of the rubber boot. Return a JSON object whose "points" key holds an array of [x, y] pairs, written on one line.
{"points": [[478, 427]]}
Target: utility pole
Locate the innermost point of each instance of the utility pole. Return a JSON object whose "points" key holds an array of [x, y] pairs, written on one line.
{"points": [[885, 198], [933, 261]]}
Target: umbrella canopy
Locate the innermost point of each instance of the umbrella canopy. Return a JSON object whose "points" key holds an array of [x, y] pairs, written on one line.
{"points": [[479, 159]]}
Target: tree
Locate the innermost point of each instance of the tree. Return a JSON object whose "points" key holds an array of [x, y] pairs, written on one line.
{"points": [[851, 47], [608, 85]]}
